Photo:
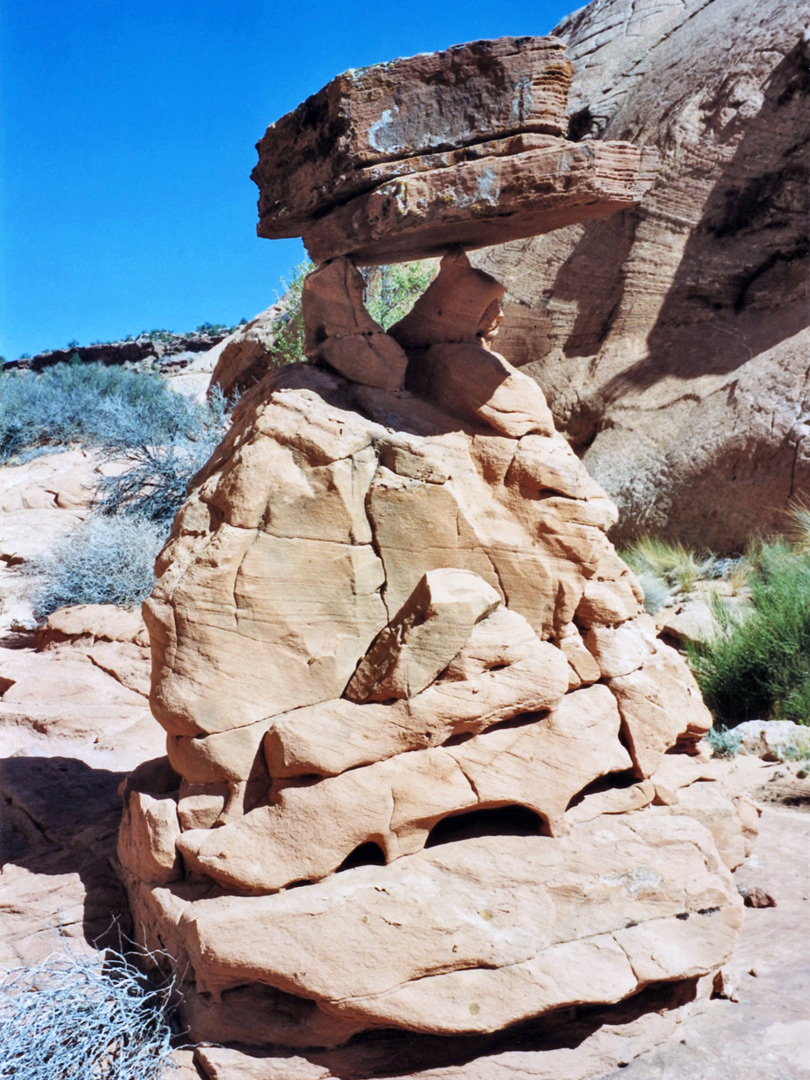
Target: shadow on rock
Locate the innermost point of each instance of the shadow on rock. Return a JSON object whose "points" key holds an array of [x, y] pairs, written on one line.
{"points": [[389, 1053], [59, 816]]}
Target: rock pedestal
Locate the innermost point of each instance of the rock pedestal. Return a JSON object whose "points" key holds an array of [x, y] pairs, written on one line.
{"points": [[429, 768]]}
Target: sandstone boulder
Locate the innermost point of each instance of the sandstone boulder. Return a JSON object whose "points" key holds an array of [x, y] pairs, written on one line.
{"points": [[389, 631], [357, 130], [247, 354], [494, 923]]}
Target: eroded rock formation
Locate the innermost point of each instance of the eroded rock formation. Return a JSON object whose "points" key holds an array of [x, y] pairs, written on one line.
{"points": [[428, 767]]}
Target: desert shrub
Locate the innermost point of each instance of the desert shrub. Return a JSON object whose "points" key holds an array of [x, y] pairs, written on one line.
{"points": [[288, 344], [758, 664], [88, 404], [161, 462], [83, 1018], [392, 290], [657, 593], [106, 560]]}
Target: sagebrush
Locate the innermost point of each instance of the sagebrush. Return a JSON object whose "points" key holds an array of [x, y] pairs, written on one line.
{"points": [[161, 463], [107, 560], [91, 405], [83, 1018]]}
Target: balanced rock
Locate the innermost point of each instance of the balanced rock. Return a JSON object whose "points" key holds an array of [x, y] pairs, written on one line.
{"points": [[429, 767], [376, 123], [402, 160]]}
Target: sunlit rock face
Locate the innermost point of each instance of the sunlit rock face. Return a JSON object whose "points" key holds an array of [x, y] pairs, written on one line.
{"points": [[402, 160], [671, 338], [426, 755]]}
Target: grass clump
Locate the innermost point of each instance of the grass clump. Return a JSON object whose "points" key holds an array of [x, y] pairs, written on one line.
{"points": [[83, 1018], [675, 565], [758, 664], [724, 743], [107, 560]]}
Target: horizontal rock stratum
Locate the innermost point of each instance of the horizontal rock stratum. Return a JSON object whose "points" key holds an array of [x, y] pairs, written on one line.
{"points": [[465, 147]]}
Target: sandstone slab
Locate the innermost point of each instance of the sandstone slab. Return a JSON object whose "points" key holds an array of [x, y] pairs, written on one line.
{"points": [[423, 637], [473, 892], [483, 201], [373, 123]]}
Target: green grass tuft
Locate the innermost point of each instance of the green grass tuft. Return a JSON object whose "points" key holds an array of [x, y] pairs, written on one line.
{"points": [[672, 563], [758, 664]]}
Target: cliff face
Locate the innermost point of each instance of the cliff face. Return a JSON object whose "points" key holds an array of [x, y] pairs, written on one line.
{"points": [[672, 338]]}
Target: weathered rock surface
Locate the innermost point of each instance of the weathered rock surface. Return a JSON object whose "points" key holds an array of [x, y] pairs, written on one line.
{"points": [[374, 124], [671, 339], [483, 201], [405, 160], [86, 676], [414, 711], [503, 911]]}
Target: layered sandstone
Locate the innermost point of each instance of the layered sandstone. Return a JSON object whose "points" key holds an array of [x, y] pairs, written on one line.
{"points": [[672, 338], [402, 160], [402, 669], [374, 124], [429, 767]]}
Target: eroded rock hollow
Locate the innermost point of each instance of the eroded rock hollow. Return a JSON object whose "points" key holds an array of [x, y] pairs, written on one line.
{"points": [[428, 766]]}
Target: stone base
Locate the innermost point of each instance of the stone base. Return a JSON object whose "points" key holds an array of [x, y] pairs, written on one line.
{"points": [[575, 1044]]}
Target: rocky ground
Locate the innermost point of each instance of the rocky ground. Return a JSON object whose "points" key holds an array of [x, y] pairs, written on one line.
{"points": [[74, 720]]}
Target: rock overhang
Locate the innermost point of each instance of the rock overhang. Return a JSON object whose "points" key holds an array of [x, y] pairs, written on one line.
{"points": [[466, 147]]}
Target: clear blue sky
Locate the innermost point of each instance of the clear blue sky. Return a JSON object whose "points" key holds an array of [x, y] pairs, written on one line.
{"points": [[128, 133]]}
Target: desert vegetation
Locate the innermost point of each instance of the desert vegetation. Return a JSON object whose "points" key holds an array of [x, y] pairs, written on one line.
{"points": [[98, 1018], [756, 663], [91, 405], [161, 439]]}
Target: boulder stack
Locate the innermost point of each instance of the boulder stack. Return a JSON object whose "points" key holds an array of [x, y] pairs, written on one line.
{"points": [[429, 768]]}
